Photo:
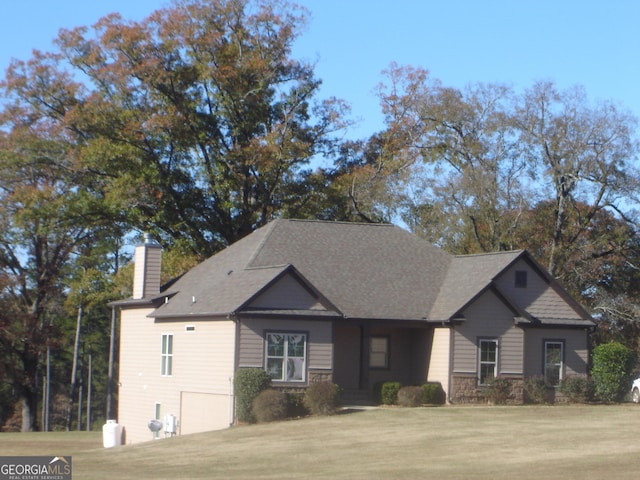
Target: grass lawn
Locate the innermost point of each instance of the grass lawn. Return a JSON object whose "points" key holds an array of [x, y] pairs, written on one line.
{"points": [[581, 442]]}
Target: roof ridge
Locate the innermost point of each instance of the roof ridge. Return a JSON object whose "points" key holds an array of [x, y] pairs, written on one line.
{"points": [[269, 226], [335, 222], [486, 254], [267, 267]]}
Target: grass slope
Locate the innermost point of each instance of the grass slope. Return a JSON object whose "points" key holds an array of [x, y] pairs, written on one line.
{"points": [[585, 442]]}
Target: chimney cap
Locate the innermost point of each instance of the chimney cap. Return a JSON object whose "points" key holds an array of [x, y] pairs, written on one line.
{"points": [[149, 240]]}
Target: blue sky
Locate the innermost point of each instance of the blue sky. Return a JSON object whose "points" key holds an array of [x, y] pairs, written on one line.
{"points": [[591, 43]]}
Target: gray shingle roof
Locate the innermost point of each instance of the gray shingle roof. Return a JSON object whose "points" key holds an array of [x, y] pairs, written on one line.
{"points": [[369, 271], [469, 275], [365, 270]]}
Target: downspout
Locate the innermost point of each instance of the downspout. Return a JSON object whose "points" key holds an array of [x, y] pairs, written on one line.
{"points": [[236, 362], [451, 355], [110, 382]]}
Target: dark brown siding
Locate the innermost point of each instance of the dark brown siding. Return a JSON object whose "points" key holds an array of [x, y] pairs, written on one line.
{"points": [[320, 349], [488, 317]]}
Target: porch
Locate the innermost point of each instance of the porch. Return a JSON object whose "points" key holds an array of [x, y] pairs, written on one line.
{"points": [[368, 354]]}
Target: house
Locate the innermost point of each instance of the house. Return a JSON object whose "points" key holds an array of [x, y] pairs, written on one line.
{"points": [[351, 303]]}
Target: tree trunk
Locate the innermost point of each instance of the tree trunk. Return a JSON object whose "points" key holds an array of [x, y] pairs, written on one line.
{"points": [[28, 390], [563, 191], [74, 369], [29, 401]]}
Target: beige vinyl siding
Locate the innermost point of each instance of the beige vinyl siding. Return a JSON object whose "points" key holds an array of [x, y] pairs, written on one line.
{"points": [[440, 358], [135, 400], [319, 338], [203, 362], [488, 317], [538, 298], [575, 350], [287, 293], [196, 411]]}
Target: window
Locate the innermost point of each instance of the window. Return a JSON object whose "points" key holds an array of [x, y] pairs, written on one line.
{"points": [[286, 356], [553, 355], [488, 360], [156, 416], [166, 355], [521, 279], [379, 352]]}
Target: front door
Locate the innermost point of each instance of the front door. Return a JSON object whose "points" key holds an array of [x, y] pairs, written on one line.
{"points": [[347, 356]]}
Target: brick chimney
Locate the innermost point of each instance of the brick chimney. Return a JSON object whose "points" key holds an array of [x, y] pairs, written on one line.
{"points": [[148, 261]]}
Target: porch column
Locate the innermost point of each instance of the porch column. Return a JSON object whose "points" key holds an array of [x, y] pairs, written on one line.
{"points": [[365, 344]]}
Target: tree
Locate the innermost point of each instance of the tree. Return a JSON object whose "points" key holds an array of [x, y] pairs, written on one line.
{"points": [[44, 214], [581, 157], [484, 169], [600, 268], [464, 185], [195, 120], [194, 124], [91, 284]]}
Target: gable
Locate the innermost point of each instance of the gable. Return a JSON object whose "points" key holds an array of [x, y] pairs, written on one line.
{"points": [[539, 296], [488, 317], [467, 277], [287, 293]]}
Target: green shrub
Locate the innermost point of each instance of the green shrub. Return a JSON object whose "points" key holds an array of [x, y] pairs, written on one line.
{"points": [[295, 405], [611, 368], [410, 396], [270, 405], [577, 388], [389, 392], [536, 390], [322, 398], [498, 390], [433, 394], [248, 383]]}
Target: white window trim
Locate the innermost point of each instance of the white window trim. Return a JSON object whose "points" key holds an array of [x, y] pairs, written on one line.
{"points": [[285, 356], [481, 362], [166, 358], [561, 365]]}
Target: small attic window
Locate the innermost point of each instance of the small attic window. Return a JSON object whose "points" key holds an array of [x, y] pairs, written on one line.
{"points": [[521, 279], [190, 328]]}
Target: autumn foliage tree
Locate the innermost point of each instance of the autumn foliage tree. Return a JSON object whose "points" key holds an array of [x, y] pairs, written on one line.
{"points": [[196, 120], [194, 124]]}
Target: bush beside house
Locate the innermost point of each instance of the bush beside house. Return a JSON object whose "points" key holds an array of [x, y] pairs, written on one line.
{"points": [[410, 396], [577, 388], [322, 398], [270, 405], [433, 394], [248, 384], [611, 371], [498, 390]]}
